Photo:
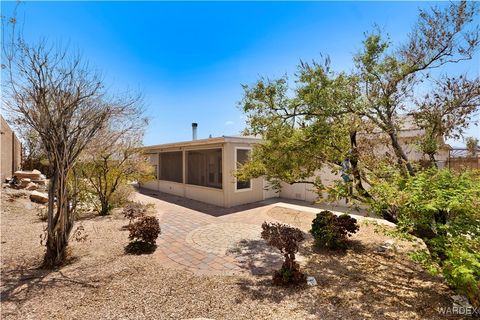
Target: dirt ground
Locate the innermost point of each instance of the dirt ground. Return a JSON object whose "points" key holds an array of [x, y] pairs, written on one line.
{"points": [[101, 282]]}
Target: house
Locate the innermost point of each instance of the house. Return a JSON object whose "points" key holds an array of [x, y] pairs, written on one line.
{"points": [[204, 169], [10, 150]]}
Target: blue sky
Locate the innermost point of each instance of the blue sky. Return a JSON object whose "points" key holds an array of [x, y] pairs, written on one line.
{"points": [[189, 59]]}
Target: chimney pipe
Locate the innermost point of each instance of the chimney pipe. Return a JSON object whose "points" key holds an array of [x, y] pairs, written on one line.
{"points": [[194, 130]]}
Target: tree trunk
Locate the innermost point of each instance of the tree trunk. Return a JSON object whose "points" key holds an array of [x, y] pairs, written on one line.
{"points": [[105, 207], [400, 154], [433, 160], [355, 170], [60, 224]]}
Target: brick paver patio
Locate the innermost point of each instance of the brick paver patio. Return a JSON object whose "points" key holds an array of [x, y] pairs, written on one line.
{"points": [[205, 239]]}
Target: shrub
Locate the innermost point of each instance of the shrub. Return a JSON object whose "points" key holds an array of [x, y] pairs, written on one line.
{"points": [[443, 209], [331, 231], [143, 234], [286, 239], [134, 210], [121, 195], [42, 213]]}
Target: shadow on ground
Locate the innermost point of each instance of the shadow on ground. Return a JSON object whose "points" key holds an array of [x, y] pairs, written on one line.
{"points": [[203, 207], [256, 257], [357, 283]]}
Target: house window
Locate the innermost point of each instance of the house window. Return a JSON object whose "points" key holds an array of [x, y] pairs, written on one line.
{"points": [[242, 156], [204, 168], [171, 166]]}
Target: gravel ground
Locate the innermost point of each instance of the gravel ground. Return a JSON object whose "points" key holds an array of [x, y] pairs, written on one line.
{"points": [[101, 282]]}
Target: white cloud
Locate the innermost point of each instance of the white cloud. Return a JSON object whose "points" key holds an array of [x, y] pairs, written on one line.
{"points": [[229, 123]]}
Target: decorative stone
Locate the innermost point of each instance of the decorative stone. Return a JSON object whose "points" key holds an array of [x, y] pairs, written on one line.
{"points": [[31, 186], [388, 248], [311, 281], [40, 182], [38, 197], [24, 182], [461, 301], [35, 174]]}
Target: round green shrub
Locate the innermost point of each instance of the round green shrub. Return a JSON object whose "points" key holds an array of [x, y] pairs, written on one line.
{"points": [[332, 232]]}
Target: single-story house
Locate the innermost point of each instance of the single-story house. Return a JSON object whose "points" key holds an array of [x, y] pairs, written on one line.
{"points": [[203, 170]]}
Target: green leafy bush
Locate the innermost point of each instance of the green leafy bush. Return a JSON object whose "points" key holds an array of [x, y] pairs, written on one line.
{"points": [[443, 209], [287, 240], [144, 232], [331, 231]]}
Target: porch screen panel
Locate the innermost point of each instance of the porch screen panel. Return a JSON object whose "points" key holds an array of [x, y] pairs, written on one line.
{"points": [[153, 160], [204, 168], [171, 168]]}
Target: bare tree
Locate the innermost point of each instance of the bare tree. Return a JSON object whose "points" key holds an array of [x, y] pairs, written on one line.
{"points": [[59, 96]]}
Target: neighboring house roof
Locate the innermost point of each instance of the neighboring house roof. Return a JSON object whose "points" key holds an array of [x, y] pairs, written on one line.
{"points": [[199, 142]]}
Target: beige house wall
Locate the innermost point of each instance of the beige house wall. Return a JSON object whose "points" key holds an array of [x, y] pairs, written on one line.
{"points": [[307, 192], [10, 150], [234, 197], [228, 196]]}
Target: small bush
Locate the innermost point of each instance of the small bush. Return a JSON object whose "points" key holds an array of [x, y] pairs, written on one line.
{"points": [[42, 213], [143, 234], [332, 232], [121, 195], [134, 210], [287, 240]]}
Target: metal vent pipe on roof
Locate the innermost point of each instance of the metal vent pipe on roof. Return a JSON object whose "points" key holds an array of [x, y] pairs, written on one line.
{"points": [[194, 130]]}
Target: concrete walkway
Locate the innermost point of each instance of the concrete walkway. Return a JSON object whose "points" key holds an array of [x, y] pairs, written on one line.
{"points": [[206, 239]]}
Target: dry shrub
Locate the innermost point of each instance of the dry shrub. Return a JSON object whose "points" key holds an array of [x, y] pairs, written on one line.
{"points": [[287, 240], [144, 232], [134, 210], [122, 195], [42, 213]]}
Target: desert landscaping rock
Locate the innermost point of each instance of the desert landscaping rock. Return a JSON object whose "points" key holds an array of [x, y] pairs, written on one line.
{"points": [[39, 197], [41, 182], [34, 174], [24, 182], [31, 186]]}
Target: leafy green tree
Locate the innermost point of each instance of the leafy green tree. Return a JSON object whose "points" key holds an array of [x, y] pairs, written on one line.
{"points": [[390, 78], [115, 159], [305, 133], [472, 146], [446, 112], [334, 119]]}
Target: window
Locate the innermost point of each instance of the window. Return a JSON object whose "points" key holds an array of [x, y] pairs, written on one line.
{"points": [[171, 166], [205, 168], [242, 156]]}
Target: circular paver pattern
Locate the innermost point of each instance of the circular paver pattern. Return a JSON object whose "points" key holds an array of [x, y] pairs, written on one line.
{"points": [[218, 238]]}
